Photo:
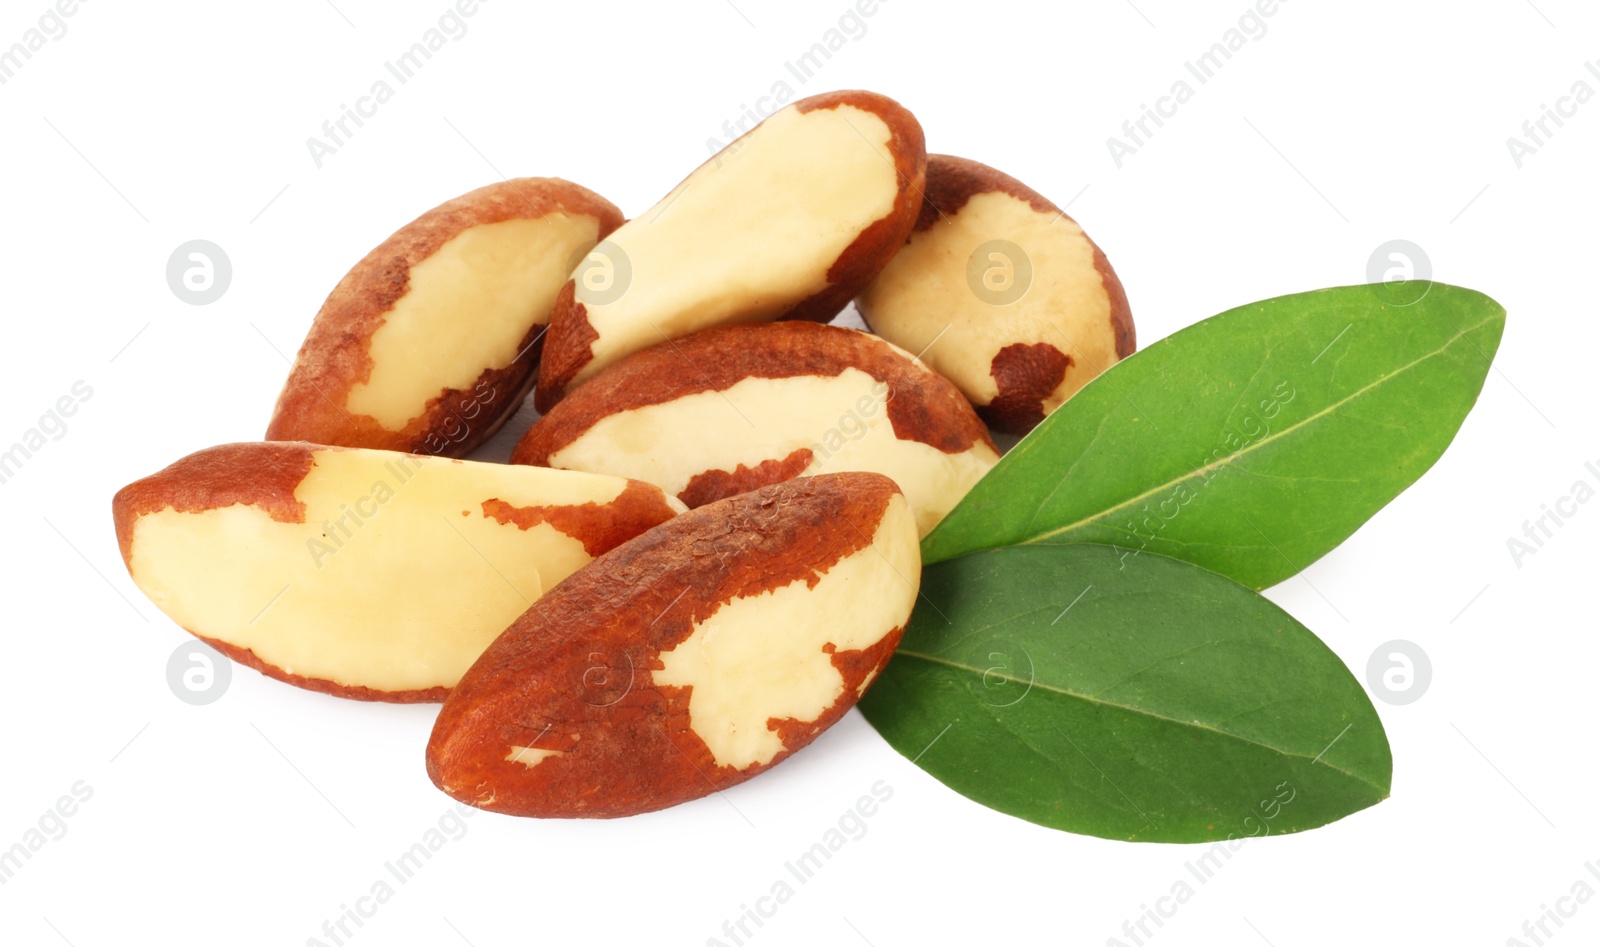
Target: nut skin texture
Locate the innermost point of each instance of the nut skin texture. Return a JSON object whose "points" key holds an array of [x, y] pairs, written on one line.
{"points": [[569, 347], [266, 476], [922, 407], [248, 658], [248, 473], [877, 244], [623, 744], [1027, 375], [336, 355], [713, 485]]}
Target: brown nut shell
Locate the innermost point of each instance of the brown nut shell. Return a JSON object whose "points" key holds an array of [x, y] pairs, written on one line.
{"points": [[730, 409], [1006, 294], [726, 246], [365, 574], [686, 660], [433, 339]]}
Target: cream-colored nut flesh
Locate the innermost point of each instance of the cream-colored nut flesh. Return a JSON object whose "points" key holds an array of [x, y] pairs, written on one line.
{"points": [[806, 183], [842, 420], [529, 756], [432, 340], [925, 291], [1003, 294], [790, 221], [689, 658], [403, 569], [761, 657], [468, 308]]}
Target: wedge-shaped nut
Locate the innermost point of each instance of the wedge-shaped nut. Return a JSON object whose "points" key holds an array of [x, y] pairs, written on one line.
{"points": [[735, 408], [788, 222], [688, 659], [433, 340], [362, 573], [1008, 296]]}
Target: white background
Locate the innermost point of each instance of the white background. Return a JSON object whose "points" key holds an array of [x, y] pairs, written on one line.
{"points": [[254, 819]]}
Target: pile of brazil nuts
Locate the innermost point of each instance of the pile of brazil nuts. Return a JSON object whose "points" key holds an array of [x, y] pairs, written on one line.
{"points": [[706, 548]]}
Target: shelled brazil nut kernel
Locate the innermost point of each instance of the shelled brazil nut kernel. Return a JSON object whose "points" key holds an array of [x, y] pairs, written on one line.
{"points": [[689, 659], [364, 573], [1003, 293], [731, 409], [433, 339], [790, 221]]}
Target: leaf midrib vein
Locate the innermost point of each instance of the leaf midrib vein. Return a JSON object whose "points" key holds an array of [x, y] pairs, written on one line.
{"points": [[1229, 459], [932, 659]]}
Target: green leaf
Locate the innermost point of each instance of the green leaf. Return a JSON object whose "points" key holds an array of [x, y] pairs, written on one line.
{"points": [[1251, 443], [1142, 699]]}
